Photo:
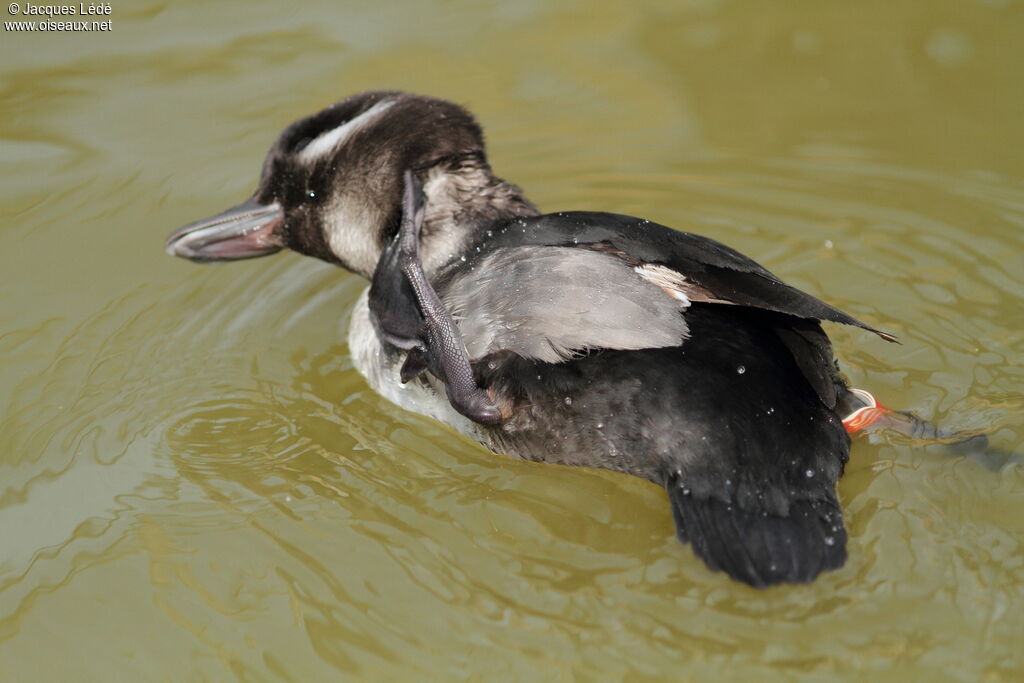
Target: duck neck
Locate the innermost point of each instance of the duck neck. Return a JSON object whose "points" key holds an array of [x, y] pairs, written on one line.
{"points": [[464, 198]]}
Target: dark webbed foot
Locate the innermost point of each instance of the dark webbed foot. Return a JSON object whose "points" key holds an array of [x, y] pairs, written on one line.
{"points": [[410, 315], [416, 363], [863, 413]]}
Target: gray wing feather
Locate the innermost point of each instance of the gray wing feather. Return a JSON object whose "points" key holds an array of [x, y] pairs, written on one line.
{"points": [[552, 303]]}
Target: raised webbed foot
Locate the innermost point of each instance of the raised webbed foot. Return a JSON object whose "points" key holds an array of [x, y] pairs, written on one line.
{"points": [[410, 315]]}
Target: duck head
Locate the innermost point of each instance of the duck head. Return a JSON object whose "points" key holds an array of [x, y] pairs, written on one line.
{"points": [[331, 187]]}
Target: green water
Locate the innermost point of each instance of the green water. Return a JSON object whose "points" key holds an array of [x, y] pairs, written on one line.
{"points": [[195, 484]]}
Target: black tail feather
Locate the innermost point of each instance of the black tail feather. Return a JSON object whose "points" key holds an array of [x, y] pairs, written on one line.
{"points": [[762, 549]]}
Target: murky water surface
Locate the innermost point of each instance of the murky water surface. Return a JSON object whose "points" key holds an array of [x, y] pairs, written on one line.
{"points": [[194, 483]]}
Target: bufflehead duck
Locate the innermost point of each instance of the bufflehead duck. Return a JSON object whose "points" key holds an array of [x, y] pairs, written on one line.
{"points": [[576, 338]]}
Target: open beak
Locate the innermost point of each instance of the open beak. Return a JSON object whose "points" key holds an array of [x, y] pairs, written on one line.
{"points": [[248, 230]]}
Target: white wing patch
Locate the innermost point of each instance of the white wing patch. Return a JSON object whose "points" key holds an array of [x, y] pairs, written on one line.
{"points": [[672, 282], [326, 143]]}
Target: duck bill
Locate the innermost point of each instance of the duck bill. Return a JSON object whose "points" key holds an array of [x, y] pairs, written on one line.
{"points": [[245, 231]]}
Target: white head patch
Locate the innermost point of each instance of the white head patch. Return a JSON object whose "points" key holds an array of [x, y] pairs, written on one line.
{"points": [[349, 223], [329, 141]]}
